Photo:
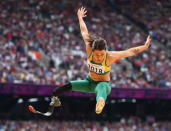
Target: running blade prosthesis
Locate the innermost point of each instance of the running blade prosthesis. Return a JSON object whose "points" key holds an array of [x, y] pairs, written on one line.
{"points": [[48, 113]]}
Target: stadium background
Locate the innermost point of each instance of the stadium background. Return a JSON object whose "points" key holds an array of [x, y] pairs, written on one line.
{"points": [[41, 47]]}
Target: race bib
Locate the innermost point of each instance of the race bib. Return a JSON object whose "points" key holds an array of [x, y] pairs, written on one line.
{"points": [[95, 68]]}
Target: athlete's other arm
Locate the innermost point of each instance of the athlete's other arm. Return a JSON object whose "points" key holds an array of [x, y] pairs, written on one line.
{"points": [[81, 13], [132, 51]]}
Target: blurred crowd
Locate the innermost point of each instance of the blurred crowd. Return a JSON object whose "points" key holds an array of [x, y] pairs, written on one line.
{"points": [[40, 42], [130, 124]]}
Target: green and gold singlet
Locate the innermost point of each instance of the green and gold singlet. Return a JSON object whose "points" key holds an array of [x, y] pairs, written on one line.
{"points": [[98, 68]]}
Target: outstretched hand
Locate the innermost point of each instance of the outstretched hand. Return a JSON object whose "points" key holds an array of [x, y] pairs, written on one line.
{"points": [[148, 42], [81, 12]]}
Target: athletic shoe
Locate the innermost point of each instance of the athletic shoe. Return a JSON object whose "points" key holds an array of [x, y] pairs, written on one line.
{"points": [[100, 105], [55, 101]]}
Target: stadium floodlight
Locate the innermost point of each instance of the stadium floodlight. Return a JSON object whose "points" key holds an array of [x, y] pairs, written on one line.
{"points": [[33, 100], [20, 100]]}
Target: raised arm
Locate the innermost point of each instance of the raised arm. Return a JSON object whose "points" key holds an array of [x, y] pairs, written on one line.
{"points": [[132, 51], [81, 13]]}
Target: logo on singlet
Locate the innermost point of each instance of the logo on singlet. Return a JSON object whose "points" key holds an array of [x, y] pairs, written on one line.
{"points": [[95, 68]]}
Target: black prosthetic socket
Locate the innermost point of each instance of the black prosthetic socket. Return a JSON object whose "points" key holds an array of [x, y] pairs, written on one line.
{"points": [[60, 90]]}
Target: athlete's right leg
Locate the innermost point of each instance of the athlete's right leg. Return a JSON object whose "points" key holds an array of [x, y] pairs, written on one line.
{"points": [[77, 85], [54, 99]]}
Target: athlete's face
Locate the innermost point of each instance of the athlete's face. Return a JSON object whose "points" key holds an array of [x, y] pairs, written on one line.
{"points": [[98, 55]]}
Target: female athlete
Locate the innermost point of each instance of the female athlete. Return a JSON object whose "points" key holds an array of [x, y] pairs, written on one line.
{"points": [[99, 61]]}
